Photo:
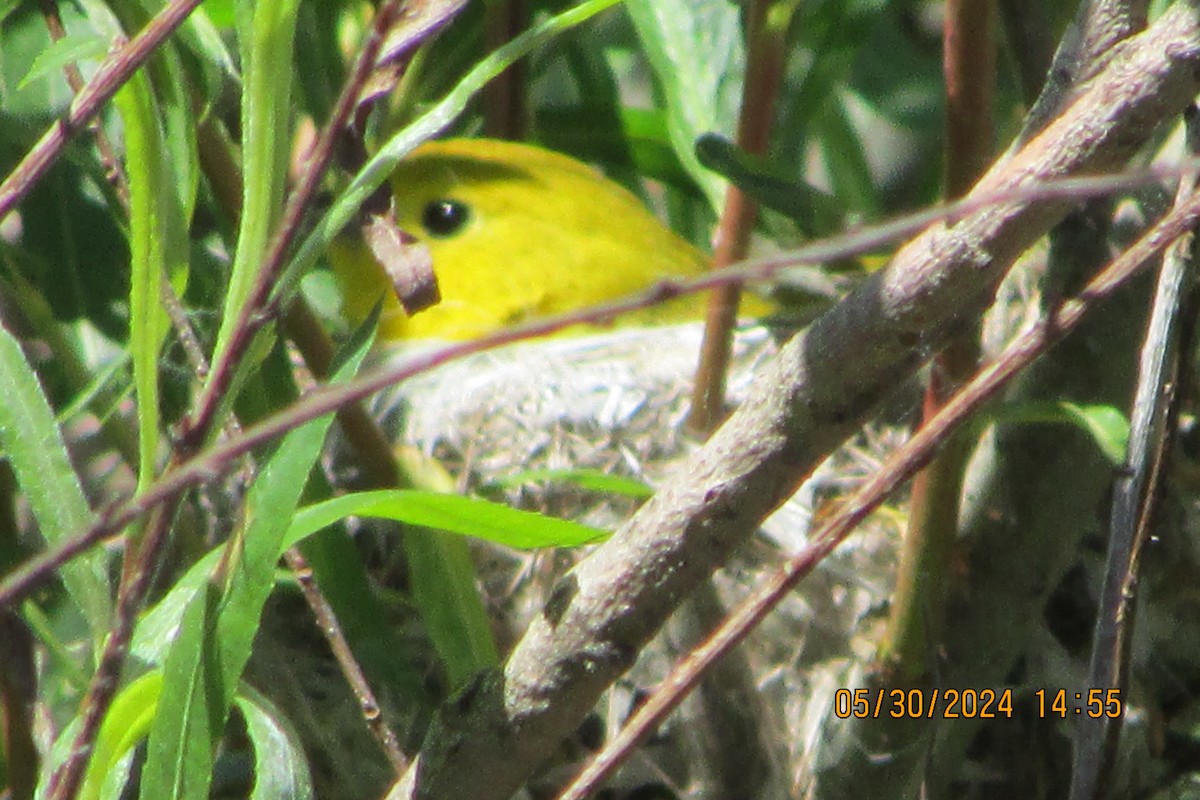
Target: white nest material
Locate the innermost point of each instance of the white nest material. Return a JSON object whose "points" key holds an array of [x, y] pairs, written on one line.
{"points": [[558, 402], [616, 401]]}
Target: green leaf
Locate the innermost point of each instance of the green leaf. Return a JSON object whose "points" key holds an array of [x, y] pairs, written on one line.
{"points": [[468, 516], [205, 663], [35, 449], [70, 49], [280, 766], [695, 48], [152, 205], [126, 724], [456, 514], [440, 567], [1107, 425], [592, 479], [266, 38]]}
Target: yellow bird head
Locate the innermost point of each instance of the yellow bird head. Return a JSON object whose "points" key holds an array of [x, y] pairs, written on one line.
{"points": [[516, 232]]}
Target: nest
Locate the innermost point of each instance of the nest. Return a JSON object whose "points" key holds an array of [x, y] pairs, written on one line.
{"points": [[616, 401]]}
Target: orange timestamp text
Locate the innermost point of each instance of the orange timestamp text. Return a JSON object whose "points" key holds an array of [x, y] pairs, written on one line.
{"points": [[1093, 703], [934, 703]]}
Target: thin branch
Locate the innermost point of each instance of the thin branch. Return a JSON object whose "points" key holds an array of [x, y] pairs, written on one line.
{"points": [[766, 42], [111, 75], [1136, 491], [331, 629]]}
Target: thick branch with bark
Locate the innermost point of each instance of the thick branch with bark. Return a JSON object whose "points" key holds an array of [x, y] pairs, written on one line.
{"points": [[824, 383]]}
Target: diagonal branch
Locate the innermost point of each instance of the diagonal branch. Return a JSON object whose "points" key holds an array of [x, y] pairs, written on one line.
{"points": [[111, 76]]}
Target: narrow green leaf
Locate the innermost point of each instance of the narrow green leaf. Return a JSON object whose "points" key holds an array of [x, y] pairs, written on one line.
{"points": [[31, 439], [204, 664], [592, 479], [72, 48], [126, 724], [440, 567], [178, 758], [468, 516], [266, 40], [695, 48], [1106, 425], [452, 513], [151, 204], [280, 765]]}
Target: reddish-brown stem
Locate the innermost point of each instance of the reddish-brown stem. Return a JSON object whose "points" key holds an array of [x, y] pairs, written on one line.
{"points": [[504, 97], [112, 74], [969, 69], [766, 45], [969, 66]]}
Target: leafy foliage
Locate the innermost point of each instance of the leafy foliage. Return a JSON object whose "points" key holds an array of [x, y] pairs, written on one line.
{"points": [[147, 379]]}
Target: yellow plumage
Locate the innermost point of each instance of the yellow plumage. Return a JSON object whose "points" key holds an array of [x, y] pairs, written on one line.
{"points": [[517, 232]]}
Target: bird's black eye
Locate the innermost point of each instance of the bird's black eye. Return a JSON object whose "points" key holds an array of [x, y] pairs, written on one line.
{"points": [[445, 217]]}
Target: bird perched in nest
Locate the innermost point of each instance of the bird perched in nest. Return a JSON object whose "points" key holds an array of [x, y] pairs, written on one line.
{"points": [[518, 232], [515, 233]]}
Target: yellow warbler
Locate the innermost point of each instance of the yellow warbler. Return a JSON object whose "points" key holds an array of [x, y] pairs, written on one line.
{"points": [[516, 232]]}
